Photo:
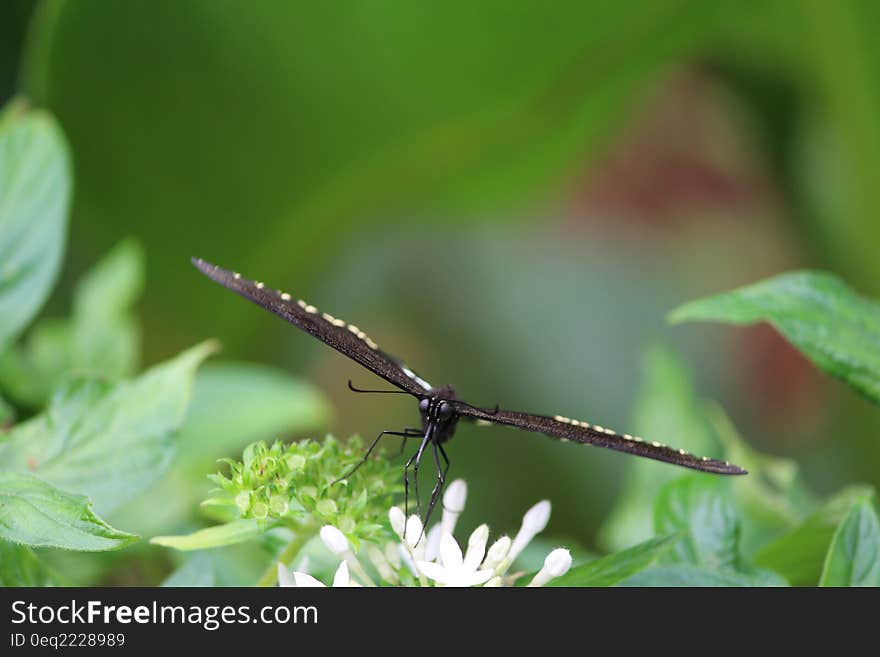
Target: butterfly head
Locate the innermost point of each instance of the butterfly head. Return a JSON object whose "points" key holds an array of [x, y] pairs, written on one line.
{"points": [[439, 413]]}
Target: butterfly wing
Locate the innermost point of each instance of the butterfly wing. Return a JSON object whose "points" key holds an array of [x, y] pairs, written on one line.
{"points": [[589, 434], [343, 337]]}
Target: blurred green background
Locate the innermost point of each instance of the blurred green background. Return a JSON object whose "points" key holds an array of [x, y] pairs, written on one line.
{"points": [[510, 195]]}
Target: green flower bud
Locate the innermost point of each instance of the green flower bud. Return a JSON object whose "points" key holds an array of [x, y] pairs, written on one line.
{"points": [[278, 505], [260, 510], [327, 508], [243, 500]]}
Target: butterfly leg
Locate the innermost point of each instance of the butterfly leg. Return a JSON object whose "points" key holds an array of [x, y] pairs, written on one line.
{"points": [[445, 460], [438, 487], [370, 449], [413, 462], [411, 433]]}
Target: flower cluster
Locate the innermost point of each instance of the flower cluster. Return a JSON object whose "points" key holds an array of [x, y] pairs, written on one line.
{"points": [[301, 479], [435, 558]]}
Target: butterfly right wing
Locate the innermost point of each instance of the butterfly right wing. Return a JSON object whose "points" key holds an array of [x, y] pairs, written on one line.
{"points": [[343, 337], [589, 434]]}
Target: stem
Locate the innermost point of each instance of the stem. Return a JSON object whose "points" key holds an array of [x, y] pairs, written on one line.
{"points": [[302, 535]]}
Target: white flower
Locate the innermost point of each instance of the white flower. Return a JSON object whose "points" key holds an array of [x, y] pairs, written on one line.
{"points": [[533, 524], [456, 570], [398, 520], [453, 504], [497, 552], [476, 547], [556, 564], [413, 535], [432, 546], [304, 580], [434, 556], [334, 540]]}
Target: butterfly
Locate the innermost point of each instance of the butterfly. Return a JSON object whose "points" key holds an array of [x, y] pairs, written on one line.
{"points": [[439, 407]]}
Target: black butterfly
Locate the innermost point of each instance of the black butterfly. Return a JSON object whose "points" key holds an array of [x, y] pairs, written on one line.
{"points": [[439, 407]]}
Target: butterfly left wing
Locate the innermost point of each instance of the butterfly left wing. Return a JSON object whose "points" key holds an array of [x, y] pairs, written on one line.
{"points": [[343, 337], [589, 434]]}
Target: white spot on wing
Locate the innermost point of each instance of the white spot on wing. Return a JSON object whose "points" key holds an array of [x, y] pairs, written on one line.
{"points": [[415, 377]]}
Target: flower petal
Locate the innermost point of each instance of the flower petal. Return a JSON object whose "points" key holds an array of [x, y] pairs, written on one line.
{"points": [[334, 539], [285, 577], [464, 578], [534, 521], [476, 549], [558, 562], [434, 571], [304, 580], [432, 549], [413, 530], [398, 520], [450, 553], [341, 578], [497, 551]]}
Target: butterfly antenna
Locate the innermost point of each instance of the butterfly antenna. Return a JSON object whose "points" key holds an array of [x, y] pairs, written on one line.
{"points": [[389, 392]]}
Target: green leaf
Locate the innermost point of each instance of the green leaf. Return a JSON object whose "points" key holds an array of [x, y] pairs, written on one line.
{"points": [[105, 335], [771, 499], [19, 566], [854, 556], [699, 505], [666, 410], [100, 338], [231, 533], [615, 568], [109, 441], [34, 199], [799, 554], [29, 372], [838, 330], [200, 569], [233, 404], [33, 512], [689, 575]]}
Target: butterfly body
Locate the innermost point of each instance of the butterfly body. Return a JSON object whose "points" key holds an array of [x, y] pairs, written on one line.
{"points": [[440, 408]]}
